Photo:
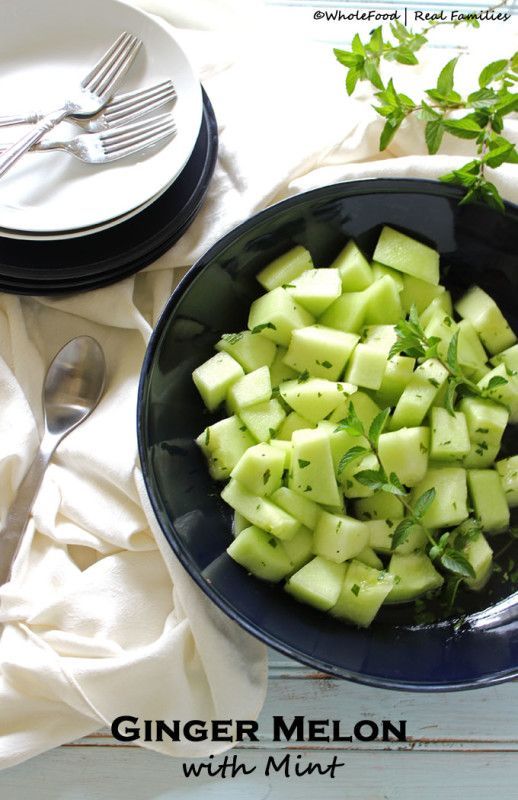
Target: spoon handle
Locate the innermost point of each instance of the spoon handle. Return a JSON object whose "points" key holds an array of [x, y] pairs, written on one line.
{"points": [[20, 510]]}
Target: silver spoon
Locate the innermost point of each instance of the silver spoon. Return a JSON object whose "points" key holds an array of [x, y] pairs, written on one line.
{"points": [[73, 386]]}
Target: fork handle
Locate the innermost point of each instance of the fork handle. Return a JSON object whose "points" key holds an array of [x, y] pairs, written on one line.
{"points": [[14, 119], [19, 148]]}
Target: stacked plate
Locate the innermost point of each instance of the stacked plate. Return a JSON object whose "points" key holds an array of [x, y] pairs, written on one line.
{"points": [[69, 226]]}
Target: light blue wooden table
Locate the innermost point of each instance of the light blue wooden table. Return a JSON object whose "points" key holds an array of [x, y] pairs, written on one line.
{"points": [[460, 745]]}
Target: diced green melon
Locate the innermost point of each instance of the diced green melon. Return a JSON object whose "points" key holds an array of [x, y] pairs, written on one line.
{"points": [[508, 470], [365, 408], [418, 293], [320, 351], [347, 313], [474, 546], [449, 439], [248, 349], [239, 524], [398, 374], [215, 377], [380, 270], [260, 511], [506, 393], [414, 575], [419, 394], [260, 469], [380, 336], [487, 319], [251, 389], [263, 420], [353, 488], [304, 510], [443, 327], [488, 498], [366, 366], [441, 304], [299, 549], [317, 583], [381, 505], [315, 398], [341, 441], [405, 452], [223, 445], [368, 556], [285, 446], [316, 289], [449, 506], [285, 268], [407, 255], [486, 422], [339, 538], [384, 304], [261, 554], [509, 357], [293, 422], [355, 270], [470, 353], [279, 371], [312, 471], [363, 592], [276, 314], [382, 530]]}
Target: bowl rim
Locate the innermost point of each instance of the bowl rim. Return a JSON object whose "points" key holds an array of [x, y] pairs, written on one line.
{"points": [[360, 186]]}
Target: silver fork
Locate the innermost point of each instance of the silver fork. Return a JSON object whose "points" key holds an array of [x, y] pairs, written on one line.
{"points": [[94, 91], [122, 109], [110, 145]]}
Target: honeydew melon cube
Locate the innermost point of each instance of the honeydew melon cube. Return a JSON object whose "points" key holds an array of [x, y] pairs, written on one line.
{"points": [[382, 530], [355, 271], [380, 336], [286, 448], [418, 293], [442, 326], [366, 366], [321, 351], [365, 408], [223, 444], [293, 422], [486, 421], [474, 546], [419, 394], [443, 303], [488, 498], [506, 393], [363, 592], [260, 469], [285, 268], [347, 313], [341, 441], [276, 314], [369, 557], [384, 304], [315, 398], [381, 505], [398, 374], [380, 270], [470, 353], [261, 554], [260, 511], [449, 439], [507, 468], [214, 378], [239, 524], [263, 419], [279, 371], [401, 252], [353, 488], [312, 471], [508, 357], [414, 575], [316, 289], [300, 507], [339, 538], [487, 319], [405, 452], [317, 583], [449, 506], [248, 349], [299, 549], [251, 389]]}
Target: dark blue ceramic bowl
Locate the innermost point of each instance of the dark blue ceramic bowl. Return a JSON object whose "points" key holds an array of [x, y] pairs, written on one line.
{"points": [[476, 245]]}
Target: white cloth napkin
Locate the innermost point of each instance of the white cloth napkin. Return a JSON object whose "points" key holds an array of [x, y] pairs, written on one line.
{"points": [[99, 617]]}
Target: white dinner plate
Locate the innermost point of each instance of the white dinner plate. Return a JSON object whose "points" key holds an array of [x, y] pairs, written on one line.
{"points": [[46, 47]]}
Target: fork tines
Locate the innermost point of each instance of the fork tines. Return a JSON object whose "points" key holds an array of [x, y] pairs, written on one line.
{"points": [[146, 132], [113, 65]]}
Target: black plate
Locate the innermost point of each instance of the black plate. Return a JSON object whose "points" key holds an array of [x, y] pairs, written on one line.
{"points": [[476, 245], [96, 260]]}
